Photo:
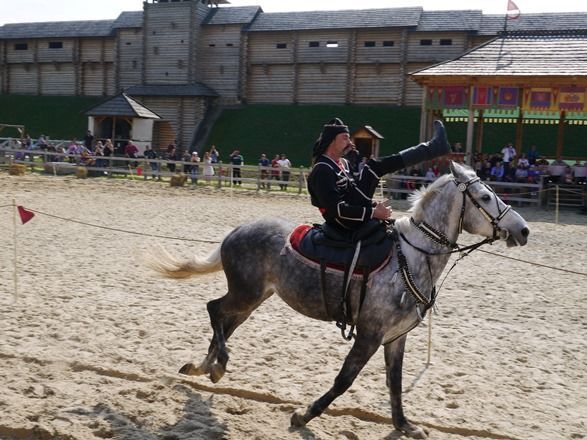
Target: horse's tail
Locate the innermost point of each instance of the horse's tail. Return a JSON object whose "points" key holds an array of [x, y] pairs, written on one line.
{"points": [[172, 267]]}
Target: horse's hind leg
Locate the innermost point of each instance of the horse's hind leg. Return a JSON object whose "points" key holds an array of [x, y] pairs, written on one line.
{"points": [[226, 314], [394, 357], [360, 353]]}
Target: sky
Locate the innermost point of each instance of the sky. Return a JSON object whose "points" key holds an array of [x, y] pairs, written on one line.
{"points": [[27, 11]]}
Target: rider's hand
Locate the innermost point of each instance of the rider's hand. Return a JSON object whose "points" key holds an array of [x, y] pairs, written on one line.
{"points": [[382, 212]]}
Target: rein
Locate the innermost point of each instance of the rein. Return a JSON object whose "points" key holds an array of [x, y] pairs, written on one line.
{"points": [[441, 239]]}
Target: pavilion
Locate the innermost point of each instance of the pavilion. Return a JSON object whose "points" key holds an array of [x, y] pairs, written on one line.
{"points": [[519, 78]]}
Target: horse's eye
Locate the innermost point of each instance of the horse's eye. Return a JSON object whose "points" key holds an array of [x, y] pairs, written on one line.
{"points": [[486, 198]]}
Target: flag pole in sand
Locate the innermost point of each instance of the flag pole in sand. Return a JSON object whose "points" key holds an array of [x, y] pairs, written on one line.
{"points": [[15, 252]]}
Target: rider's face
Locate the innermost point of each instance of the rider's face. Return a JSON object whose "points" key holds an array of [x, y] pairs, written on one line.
{"points": [[341, 144]]}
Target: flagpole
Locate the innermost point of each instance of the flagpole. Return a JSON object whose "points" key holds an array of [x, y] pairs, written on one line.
{"points": [[15, 253]]}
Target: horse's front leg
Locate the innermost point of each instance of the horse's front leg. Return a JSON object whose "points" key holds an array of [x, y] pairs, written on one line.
{"points": [[394, 357], [361, 352]]}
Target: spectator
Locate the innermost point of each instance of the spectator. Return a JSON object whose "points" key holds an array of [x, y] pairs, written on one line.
{"points": [[99, 154], [275, 173], [73, 150], [497, 172], [152, 154], [580, 172], [108, 148], [208, 168], [236, 159], [533, 155], [195, 167], [186, 158], [171, 157], [264, 163], [89, 140], [430, 176], [457, 147], [284, 166], [556, 171], [131, 151], [508, 157], [214, 154]]}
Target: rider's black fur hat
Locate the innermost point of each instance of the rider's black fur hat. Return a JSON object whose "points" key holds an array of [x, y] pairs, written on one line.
{"points": [[329, 131]]}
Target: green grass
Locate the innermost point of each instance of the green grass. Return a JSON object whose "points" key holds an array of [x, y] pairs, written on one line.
{"points": [[59, 117]]}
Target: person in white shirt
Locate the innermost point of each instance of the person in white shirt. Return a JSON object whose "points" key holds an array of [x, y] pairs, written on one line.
{"points": [[284, 166]]}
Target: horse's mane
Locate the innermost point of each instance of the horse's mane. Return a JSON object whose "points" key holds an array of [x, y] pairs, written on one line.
{"points": [[422, 196]]}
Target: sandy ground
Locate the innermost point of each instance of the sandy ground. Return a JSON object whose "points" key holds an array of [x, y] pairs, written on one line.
{"points": [[91, 347]]}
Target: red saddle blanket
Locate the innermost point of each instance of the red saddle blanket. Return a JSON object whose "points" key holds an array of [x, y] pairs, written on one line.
{"points": [[305, 240]]}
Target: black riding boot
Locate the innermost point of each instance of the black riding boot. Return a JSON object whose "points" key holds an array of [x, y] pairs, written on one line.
{"points": [[435, 147]]}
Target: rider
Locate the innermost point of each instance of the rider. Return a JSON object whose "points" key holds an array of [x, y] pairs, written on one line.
{"points": [[346, 202]]}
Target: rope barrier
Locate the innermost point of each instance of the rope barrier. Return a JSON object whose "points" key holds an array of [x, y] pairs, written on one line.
{"points": [[534, 264], [123, 230], [197, 240]]}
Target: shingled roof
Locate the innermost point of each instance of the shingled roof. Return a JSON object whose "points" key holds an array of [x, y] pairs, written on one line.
{"points": [[129, 19], [435, 21], [346, 19], [121, 105], [234, 15], [57, 29], [519, 54], [560, 21], [171, 90]]}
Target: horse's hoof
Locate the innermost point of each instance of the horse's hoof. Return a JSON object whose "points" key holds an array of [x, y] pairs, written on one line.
{"points": [[297, 419], [191, 370], [413, 431], [216, 372]]}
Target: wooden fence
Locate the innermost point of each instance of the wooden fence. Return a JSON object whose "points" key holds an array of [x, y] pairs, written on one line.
{"points": [[266, 179]]}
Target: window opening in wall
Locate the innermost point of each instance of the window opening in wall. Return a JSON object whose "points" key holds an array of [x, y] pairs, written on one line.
{"points": [[332, 44], [314, 44], [229, 45], [128, 43], [21, 46], [156, 50], [281, 46], [369, 43], [211, 45], [55, 45], [388, 43], [446, 42], [425, 42]]}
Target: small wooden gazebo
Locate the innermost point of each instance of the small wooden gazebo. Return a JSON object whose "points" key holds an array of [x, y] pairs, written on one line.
{"points": [[518, 77], [367, 140]]}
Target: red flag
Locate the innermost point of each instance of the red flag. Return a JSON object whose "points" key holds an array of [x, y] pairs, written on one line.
{"points": [[25, 215], [513, 10]]}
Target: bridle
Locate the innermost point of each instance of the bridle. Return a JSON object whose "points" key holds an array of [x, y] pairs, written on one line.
{"points": [[441, 239], [463, 187]]}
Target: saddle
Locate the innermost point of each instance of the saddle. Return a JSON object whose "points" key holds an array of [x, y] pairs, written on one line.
{"points": [[363, 252]]}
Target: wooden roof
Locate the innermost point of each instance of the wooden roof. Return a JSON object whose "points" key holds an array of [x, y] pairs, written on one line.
{"points": [[560, 21], [346, 19], [57, 29], [517, 55], [121, 105], [129, 19], [437, 21], [171, 90], [234, 15]]}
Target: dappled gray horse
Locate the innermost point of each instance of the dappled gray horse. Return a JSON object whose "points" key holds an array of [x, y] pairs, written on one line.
{"points": [[255, 260]]}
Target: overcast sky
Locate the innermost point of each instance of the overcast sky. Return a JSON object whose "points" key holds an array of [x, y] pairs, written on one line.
{"points": [[19, 11]]}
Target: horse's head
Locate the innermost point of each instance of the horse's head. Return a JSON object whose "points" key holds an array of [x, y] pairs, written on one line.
{"points": [[484, 213]]}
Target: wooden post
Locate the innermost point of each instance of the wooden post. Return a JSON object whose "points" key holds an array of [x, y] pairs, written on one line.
{"points": [[469, 143], [560, 134], [519, 132], [423, 116], [479, 137], [15, 248]]}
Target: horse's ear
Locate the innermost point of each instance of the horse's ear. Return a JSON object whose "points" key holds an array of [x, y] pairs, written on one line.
{"points": [[456, 169]]}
